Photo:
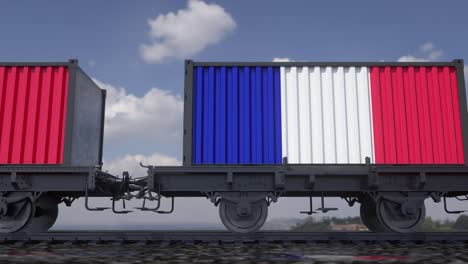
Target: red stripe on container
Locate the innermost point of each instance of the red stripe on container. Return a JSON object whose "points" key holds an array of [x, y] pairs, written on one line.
{"points": [[55, 115], [388, 115], [401, 128], [29, 140], [8, 115], [423, 115], [15, 82], [377, 114], [25, 114], [3, 80], [456, 115], [43, 115], [436, 115], [411, 107], [448, 119], [32, 113], [18, 124], [63, 110], [416, 115], [434, 121], [48, 140]]}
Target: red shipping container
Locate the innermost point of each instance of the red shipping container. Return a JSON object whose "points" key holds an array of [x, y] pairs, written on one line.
{"points": [[42, 108]]}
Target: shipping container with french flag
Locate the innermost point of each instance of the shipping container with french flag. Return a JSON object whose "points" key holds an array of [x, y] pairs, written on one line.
{"points": [[324, 113]]}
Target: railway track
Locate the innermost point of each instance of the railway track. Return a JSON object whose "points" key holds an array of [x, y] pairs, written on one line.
{"points": [[228, 237]]}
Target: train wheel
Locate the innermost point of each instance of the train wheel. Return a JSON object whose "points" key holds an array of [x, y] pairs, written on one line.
{"points": [[46, 212], [399, 218], [243, 217], [369, 217], [15, 215]]}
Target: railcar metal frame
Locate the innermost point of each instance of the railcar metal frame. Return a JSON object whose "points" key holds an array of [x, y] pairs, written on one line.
{"points": [[306, 180], [67, 181], [47, 178]]}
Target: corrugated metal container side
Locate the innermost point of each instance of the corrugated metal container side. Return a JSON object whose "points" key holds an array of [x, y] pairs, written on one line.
{"points": [[47, 117], [236, 115], [325, 113], [416, 115], [32, 114]]}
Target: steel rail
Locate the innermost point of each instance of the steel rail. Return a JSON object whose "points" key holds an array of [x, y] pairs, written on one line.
{"points": [[228, 237]]}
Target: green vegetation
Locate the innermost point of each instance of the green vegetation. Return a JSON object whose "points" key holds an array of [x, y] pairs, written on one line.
{"points": [[325, 224], [447, 225], [434, 225]]}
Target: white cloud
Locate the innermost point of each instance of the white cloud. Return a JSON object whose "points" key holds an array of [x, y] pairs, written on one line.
{"points": [[435, 54], [427, 47], [153, 120], [411, 58], [281, 59], [428, 52], [131, 163], [186, 32]]}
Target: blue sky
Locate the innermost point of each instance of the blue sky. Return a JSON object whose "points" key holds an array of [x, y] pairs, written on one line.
{"points": [[107, 38], [110, 34], [144, 111]]}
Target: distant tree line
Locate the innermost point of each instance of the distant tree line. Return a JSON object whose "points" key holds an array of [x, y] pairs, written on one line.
{"points": [[447, 225], [325, 224]]}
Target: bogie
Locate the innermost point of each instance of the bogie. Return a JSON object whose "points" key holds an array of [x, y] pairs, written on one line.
{"points": [[393, 214]]}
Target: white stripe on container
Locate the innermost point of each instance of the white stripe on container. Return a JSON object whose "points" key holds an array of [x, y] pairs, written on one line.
{"points": [[326, 115]]}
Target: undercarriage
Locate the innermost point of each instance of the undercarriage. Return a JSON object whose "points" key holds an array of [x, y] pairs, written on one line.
{"points": [[391, 198]]}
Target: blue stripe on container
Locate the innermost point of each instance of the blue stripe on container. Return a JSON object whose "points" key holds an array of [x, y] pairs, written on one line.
{"points": [[244, 122], [197, 121], [236, 115], [233, 113], [277, 116], [220, 113], [257, 144], [208, 112], [268, 141], [254, 117]]}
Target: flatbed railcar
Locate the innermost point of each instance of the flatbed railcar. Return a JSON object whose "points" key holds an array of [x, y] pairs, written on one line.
{"points": [[385, 135]]}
